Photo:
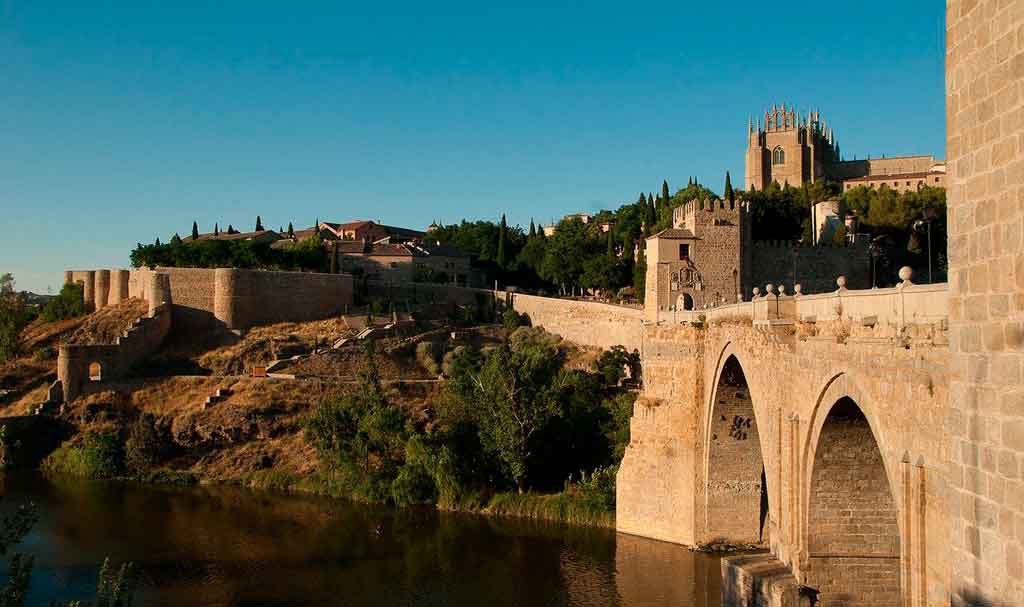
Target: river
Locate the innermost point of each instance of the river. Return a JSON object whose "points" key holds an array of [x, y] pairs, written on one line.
{"points": [[217, 545]]}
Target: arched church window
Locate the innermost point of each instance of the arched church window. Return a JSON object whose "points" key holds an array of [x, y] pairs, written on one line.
{"points": [[778, 156]]}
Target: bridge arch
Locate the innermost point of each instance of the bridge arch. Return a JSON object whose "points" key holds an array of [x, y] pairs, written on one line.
{"points": [[851, 529], [735, 494]]}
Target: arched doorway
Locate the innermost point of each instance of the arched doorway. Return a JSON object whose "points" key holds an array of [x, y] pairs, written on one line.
{"points": [[684, 302], [853, 530], [737, 499], [95, 372]]}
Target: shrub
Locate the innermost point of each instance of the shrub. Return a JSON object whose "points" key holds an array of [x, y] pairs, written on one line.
{"points": [[598, 488], [69, 303], [97, 456], [426, 356], [144, 447], [511, 319]]}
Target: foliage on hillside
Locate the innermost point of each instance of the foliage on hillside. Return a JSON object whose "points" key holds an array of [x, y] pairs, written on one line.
{"points": [[511, 417], [15, 315], [309, 254]]}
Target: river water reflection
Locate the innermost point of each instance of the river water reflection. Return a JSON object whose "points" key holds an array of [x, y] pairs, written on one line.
{"points": [[230, 546]]}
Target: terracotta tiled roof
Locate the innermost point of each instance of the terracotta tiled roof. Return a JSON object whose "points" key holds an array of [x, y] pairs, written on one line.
{"points": [[268, 234], [897, 176], [676, 233]]}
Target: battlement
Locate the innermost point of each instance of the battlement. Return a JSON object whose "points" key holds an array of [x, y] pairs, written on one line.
{"points": [[709, 211]]}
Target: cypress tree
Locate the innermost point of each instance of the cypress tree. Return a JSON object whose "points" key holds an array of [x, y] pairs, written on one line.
{"points": [[689, 182], [259, 224], [291, 230], [502, 237], [175, 239], [195, 231], [157, 243], [664, 191], [533, 228], [729, 195], [611, 244], [216, 229]]}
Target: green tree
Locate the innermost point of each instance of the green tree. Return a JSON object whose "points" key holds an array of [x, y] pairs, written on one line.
{"points": [[502, 258], [216, 229], [69, 303], [361, 435], [728, 192], [518, 389], [14, 316], [291, 230], [565, 253], [664, 191], [259, 224], [533, 229]]}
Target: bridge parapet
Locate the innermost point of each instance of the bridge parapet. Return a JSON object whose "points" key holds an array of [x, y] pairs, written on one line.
{"points": [[904, 304]]}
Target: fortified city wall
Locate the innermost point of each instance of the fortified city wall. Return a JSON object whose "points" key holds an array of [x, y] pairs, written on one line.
{"points": [[234, 298], [78, 364]]}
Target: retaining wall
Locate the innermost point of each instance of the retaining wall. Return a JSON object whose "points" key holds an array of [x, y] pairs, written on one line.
{"points": [[584, 322]]}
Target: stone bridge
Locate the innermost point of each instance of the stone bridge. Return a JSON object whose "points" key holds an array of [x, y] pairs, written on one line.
{"points": [[806, 425], [877, 452]]}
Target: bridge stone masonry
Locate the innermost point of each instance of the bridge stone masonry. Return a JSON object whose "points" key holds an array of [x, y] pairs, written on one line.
{"points": [[813, 426], [871, 440]]}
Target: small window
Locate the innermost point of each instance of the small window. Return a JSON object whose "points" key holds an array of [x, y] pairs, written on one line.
{"points": [[95, 372], [684, 251], [778, 156], [393, 265], [908, 183], [936, 180]]}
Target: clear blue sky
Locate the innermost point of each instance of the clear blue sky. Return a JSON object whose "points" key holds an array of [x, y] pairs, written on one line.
{"points": [[124, 121]]}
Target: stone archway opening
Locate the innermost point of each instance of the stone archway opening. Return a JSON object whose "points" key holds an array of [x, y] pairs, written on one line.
{"points": [[737, 498], [685, 302], [95, 372], [853, 530]]}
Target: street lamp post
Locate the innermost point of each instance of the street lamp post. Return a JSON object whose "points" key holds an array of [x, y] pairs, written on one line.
{"points": [[929, 216]]}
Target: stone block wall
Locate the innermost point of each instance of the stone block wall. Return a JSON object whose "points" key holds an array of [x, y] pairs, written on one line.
{"points": [[985, 151], [77, 363], [237, 299], [816, 267], [584, 322]]}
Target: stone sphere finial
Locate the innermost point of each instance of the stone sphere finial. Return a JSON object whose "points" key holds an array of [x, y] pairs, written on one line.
{"points": [[757, 291], [841, 281], [769, 289], [906, 274], [782, 290], [798, 289], [739, 298]]}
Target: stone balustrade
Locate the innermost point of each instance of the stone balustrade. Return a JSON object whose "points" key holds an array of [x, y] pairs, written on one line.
{"points": [[906, 303]]}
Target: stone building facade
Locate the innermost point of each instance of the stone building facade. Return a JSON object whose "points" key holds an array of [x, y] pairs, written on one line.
{"points": [[788, 147], [707, 258]]}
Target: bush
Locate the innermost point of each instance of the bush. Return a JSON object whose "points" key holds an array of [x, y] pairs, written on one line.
{"points": [[70, 303], [14, 316], [511, 319], [613, 364], [97, 456], [144, 447], [426, 356]]}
